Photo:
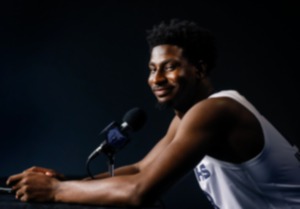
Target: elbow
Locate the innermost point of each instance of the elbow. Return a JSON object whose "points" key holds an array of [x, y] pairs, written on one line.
{"points": [[141, 196], [138, 200]]}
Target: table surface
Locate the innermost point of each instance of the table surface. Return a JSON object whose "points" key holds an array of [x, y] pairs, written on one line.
{"points": [[8, 201]]}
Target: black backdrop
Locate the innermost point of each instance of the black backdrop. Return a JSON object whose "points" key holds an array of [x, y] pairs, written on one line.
{"points": [[68, 68]]}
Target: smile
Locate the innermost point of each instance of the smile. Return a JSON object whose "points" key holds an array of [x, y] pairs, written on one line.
{"points": [[162, 91]]}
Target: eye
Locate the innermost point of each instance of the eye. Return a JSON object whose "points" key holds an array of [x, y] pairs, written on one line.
{"points": [[152, 69], [170, 67]]}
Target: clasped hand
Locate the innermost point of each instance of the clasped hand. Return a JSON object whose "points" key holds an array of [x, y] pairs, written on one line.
{"points": [[35, 184]]}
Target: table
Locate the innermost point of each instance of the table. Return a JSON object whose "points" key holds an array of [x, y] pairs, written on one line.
{"points": [[8, 201]]}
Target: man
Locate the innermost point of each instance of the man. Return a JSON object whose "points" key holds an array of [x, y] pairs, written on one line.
{"points": [[239, 158]]}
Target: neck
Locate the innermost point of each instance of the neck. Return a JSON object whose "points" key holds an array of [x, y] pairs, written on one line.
{"points": [[203, 92]]}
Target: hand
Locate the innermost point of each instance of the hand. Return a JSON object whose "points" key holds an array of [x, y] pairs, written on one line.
{"points": [[33, 186], [45, 171]]}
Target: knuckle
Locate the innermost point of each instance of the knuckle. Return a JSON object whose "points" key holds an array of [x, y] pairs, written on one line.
{"points": [[33, 168], [24, 198], [26, 189], [25, 180]]}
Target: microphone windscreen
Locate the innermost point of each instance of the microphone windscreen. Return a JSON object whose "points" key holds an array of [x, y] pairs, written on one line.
{"points": [[136, 118]]}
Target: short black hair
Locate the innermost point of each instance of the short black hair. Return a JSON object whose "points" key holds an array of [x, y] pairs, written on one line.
{"points": [[197, 43]]}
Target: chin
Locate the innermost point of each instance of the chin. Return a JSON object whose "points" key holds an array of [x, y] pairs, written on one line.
{"points": [[163, 105]]}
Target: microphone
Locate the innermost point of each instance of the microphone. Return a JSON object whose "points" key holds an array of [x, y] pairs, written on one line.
{"points": [[117, 135]]}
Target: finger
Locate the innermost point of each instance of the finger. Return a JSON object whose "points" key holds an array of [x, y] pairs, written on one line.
{"points": [[24, 198], [50, 174], [14, 178], [36, 169], [46, 171], [18, 194], [17, 186], [22, 195]]}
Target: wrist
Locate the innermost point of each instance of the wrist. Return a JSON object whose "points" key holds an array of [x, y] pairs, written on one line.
{"points": [[57, 191]]}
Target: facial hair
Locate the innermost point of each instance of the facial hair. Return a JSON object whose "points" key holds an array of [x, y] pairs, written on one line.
{"points": [[163, 105]]}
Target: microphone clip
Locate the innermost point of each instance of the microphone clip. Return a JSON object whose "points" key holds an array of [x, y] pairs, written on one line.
{"points": [[115, 138]]}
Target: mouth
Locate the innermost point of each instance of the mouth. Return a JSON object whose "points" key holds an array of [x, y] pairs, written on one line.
{"points": [[161, 91]]}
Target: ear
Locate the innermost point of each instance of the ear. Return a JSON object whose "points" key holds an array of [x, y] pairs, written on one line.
{"points": [[201, 69]]}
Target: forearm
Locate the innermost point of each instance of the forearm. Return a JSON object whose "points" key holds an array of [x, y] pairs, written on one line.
{"points": [[118, 191]]}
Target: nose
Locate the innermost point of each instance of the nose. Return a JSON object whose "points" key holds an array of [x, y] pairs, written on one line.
{"points": [[158, 78]]}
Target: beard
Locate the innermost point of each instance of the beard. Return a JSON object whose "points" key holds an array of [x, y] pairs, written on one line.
{"points": [[163, 105]]}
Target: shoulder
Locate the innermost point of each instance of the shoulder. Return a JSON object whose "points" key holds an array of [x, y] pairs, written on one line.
{"points": [[217, 110], [209, 119], [229, 125], [214, 119]]}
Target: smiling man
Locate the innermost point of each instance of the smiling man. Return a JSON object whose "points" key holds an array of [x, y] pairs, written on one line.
{"points": [[232, 148], [173, 78]]}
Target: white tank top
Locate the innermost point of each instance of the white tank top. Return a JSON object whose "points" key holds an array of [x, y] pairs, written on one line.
{"points": [[269, 180]]}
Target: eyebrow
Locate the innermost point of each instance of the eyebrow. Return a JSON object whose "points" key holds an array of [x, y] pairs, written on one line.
{"points": [[164, 62]]}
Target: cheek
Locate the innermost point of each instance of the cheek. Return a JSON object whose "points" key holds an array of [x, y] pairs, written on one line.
{"points": [[149, 80], [176, 77], [173, 77]]}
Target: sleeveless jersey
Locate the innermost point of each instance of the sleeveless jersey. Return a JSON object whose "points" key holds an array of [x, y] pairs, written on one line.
{"points": [[269, 180]]}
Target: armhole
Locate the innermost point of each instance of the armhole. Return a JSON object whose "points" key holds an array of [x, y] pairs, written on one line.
{"points": [[234, 95]]}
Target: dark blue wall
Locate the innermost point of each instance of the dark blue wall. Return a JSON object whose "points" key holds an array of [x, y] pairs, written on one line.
{"points": [[68, 68]]}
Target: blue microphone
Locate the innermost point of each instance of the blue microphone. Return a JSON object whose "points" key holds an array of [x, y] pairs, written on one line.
{"points": [[117, 135]]}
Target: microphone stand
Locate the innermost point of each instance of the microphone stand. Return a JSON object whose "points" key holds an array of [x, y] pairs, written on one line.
{"points": [[111, 163], [115, 139]]}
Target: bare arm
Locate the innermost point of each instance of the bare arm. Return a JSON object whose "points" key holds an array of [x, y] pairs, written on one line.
{"points": [[179, 151], [45, 177]]}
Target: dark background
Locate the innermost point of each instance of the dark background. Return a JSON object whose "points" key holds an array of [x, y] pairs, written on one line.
{"points": [[68, 68]]}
